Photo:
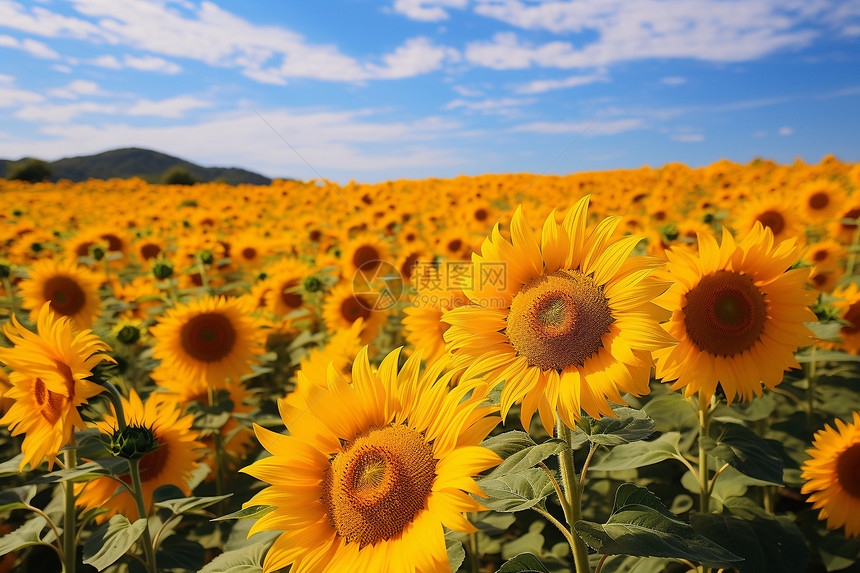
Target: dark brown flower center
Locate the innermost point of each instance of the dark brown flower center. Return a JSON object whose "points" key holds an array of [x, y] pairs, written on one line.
{"points": [[819, 200], [289, 296], [852, 316], [249, 253], [773, 220], [149, 251], [366, 258], [66, 295], [354, 307], [848, 470], [558, 320], [208, 337], [378, 484], [725, 313]]}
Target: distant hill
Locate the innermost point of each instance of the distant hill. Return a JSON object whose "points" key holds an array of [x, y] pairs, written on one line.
{"points": [[143, 163]]}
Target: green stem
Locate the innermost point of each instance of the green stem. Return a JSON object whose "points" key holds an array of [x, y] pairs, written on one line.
{"points": [[704, 432], [7, 286], [70, 556], [474, 559], [134, 466], [852, 255], [201, 268], [573, 492], [811, 379]]}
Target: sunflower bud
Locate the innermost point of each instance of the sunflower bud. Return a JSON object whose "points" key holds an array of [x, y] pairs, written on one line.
{"points": [[133, 442], [5, 271], [162, 270], [206, 257], [128, 334], [312, 284], [97, 252]]}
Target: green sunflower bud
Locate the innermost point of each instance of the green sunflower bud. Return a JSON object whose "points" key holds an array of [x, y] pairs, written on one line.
{"points": [[128, 334], [312, 284], [206, 257], [162, 270], [5, 271], [97, 252], [133, 442]]}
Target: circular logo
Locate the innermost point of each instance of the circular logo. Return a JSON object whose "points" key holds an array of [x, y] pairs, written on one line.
{"points": [[377, 285]]}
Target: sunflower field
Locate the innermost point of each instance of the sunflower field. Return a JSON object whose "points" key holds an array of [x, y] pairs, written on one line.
{"points": [[638, 371]]}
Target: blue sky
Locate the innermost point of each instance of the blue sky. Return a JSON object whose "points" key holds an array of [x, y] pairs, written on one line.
{"points": [[393, 89]]}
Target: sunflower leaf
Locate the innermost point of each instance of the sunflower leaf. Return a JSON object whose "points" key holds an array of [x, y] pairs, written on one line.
{"points": [[186, 504], [26, 535], [516, 491], [177, 552], [641, 525], [245, 560], [519, 452], [630, 426], [456, 553], [631, 456], [748, 453], [523, 563], [110, 540], [84, 472], [10, 467], [16, 498], [250, 512], [806, 357], [767, 545]]}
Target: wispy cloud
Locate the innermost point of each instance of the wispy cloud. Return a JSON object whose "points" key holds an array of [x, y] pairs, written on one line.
{"points": [[33, 47], [586, 128], [541, 86], [427, 10]]}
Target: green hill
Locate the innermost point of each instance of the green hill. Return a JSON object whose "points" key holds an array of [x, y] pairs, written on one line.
{"points": [[143, 163]]}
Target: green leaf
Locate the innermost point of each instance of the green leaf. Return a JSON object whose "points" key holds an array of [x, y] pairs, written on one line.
{"points": [[177, 552], [517, 491], [519, 454], [86, 472], [630, 426], [631, 456], [641, 525], [26, 535], [110, 540], [825, 356], [837, 552], [767, 545], [250, 512], [16, 498], [456, 553], [748, 453], [530, 542], [10, 467], [245, 560], [825, 329], [671, 412], [186, 504], [523, 563]]}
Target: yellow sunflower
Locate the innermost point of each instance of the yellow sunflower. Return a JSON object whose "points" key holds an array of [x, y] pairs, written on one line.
{"points": [[206, 342], [738, 312], [283, 280], [72, 290], [775, 210], [366, 252], [343, 307], [339, 353], [566, 322], [373, 470], [848, 304], [48, 382], [833, 475], [822, 200], [171, 463], [423, 324]]}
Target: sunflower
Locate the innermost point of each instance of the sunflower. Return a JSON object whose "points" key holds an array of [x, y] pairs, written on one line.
{"points": [[738, 313], [343, 307], [284, 280], [206, 342], [72, 290], [842, 229], [366, 252], [775, 211], [49, 382], [826, 253], [373, 470], [566, 322], [423, 324], [848, 304], [148, 248], [171, 463], [339, 353], [821, 200], [833, 475]]}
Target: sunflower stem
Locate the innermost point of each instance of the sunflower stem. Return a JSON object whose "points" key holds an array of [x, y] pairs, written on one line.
{"points": [[852, 254], [474, 559], [7, 286], [149, 552], [811, 379], [573, 492], [70, 556], [704, 432], [219, 456], [201, 268]]}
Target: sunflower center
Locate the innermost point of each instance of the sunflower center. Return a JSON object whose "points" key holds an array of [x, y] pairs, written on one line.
{"points": [[353, 308], [364, 257], [66, 295], [150, 251], [851, 214], [208, 337], [773, 220], [725, 313], [558, 320], [848, 470], [455, 245], [852, 316], [288, 295], [819, 200], [378, 484], [248, 253]]}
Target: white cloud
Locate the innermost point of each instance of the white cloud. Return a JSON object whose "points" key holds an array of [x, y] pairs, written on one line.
{"points": [[62, 68], [415, 57], [61, 113], [785, 131], [107, 61], [503, 106], [427, 10], [467, 92], [541, 86], [586, 128], [689, 137], [626, 30], [152, 64], [171, 107], [75, 89], [11, 96], [337, 144], [33, 47], [674, 80]]}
